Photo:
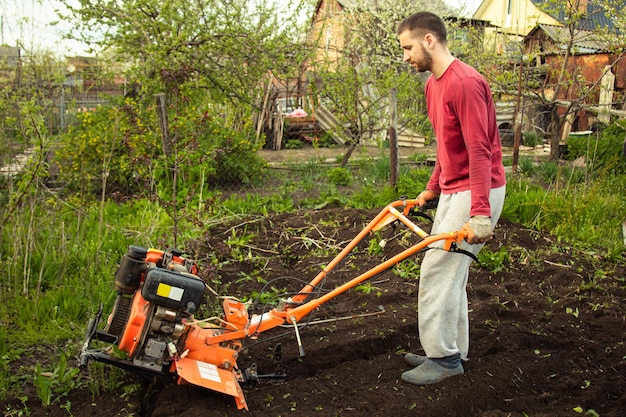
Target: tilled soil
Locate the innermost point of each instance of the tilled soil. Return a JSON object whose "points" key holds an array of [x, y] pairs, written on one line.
{"points": [[547, 331]]}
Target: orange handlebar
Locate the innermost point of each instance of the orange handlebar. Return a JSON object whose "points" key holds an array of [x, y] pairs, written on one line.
{"points": [[297, 307], [398, 210]]}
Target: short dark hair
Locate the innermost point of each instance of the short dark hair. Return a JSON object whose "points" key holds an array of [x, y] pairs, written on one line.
{"points": [[421, 23]]}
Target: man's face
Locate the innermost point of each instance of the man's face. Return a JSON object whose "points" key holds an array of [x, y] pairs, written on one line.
{"points": [[415, 53]]}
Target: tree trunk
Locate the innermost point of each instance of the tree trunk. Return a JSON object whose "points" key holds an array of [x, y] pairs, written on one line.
{"points": [[553, 132]]}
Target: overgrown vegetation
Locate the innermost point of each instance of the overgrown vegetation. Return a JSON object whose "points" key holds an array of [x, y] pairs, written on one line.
{"points": [[89, 192], [60, 248]]}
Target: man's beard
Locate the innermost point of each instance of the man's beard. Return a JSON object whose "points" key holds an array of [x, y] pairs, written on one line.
{"points": [[426, 61]]}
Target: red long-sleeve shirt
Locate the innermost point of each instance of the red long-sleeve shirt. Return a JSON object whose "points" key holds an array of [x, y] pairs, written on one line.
{"points": [[469, 151]]}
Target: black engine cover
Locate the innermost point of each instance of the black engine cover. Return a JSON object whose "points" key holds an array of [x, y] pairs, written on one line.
{"points": [[172, 289]]}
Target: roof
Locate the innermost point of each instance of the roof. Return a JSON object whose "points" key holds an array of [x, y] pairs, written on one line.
{"points": [[585, 41], [345, 4], [595, 18]]}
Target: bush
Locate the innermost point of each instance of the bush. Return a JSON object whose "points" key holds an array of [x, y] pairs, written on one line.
{"points": [[339, 176], [232, 155], [110, 146], [119, 147], [294, 144], [602, 151], [531, 138]]}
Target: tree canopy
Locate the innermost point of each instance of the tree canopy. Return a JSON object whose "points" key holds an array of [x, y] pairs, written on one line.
{"points": [[224, 46]]}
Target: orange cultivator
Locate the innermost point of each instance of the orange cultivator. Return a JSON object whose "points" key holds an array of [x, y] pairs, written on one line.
{"points": [[158, 293]]}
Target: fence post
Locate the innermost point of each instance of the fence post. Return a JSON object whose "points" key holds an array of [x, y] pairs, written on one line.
{"points": [[607, 85], [393, 140], [163, 123]]}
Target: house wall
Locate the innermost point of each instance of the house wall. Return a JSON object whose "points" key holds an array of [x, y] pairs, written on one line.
{"points": [[591, 69], [515, 17], [327, 32], [511, 20]]}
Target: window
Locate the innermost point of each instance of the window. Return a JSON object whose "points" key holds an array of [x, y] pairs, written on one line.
{"points": [[509, 14]]}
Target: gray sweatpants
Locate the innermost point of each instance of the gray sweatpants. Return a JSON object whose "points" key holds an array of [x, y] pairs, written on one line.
{"points": [[443, 320]]}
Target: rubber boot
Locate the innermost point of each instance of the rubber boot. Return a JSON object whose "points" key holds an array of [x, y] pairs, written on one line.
{"points": [[430, 372]]}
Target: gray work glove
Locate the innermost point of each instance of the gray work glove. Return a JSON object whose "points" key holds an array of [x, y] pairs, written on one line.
{"points": [[481, 226]]}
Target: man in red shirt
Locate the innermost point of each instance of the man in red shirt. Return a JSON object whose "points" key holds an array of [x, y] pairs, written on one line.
{"points": [[469, 181]]}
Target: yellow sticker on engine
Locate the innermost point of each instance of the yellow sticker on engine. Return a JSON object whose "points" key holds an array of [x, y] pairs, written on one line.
{"points": [[163, 290], [167, 291]]}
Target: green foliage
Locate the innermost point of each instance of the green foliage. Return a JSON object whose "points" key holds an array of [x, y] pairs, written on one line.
{"points": [[603, 151], [104, 378], [493, 260], [375, 245], [339, 176], [531, 138], [548, 171], [108, 146], [195, 44], [10, 382], [116, 147], [255, 204], [589, 214], [370, 196], [527, 166], [52, 386], [412, 181], [268, 297], [524, 201], [231, 155], [58, 263], [294, 144], [407, 269], [367, 288], [376, 191]]}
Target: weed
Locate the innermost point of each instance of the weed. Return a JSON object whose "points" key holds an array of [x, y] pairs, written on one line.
{"points": [[339, 176], [367, 288], [527, 166], [573, 311], [407, 269], [20, 412], [67, 407], [590, 412], [9, 381], [493, 260], [267, 297], [294, 144], [593, 283], [531, 138], [130, 391], [55, 385], [104, 378], [548, 171], [375, 245]]}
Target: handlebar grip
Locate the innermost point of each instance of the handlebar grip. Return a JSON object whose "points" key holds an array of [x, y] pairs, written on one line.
{"points": [[430, 204]]}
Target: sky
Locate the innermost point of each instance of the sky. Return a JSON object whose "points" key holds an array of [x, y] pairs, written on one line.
{"points": [[29, 23]]}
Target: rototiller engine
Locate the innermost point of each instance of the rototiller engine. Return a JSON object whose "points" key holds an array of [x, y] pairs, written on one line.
{"points": [[152, 321]]}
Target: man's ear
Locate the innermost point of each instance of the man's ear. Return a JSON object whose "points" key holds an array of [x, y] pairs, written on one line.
{"points": [[428, 40]]}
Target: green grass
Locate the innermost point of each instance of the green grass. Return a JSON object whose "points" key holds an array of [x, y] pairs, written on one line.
{"points": [[61, 252]]}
